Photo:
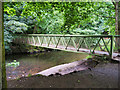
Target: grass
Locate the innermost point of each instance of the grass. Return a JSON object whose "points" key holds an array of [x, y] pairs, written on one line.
{"points": [[29, 75]]}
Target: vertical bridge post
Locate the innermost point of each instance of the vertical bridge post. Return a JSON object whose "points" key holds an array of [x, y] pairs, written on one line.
{"points": [[111, 46]]}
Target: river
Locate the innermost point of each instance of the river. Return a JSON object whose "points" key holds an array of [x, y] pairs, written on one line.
{"points": [[29, 64]]}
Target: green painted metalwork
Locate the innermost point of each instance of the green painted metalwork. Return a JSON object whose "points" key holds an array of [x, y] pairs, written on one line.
{"points": [[42, 41], [63, 41], [105, 45], [39, 39], [53, 41], [85, 43], [33, 39], [57, 42], [75, 43], [49, 41], [96, 44], [111, 47], [108, 42], [46, 40], [81, 43], [68, 43], [88, 46]]}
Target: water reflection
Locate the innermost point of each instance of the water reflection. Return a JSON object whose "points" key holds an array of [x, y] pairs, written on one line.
{"points": [[29, 64]]}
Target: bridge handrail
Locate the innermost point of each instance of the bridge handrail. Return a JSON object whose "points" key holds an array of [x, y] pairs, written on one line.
{"points": [[60, 35]]}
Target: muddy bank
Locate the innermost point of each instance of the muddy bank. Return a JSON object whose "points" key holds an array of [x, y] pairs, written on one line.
{"points": [[103, 75], [76, 66]]}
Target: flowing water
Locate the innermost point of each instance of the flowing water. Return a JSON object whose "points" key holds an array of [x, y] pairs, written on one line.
{"points": [[29, 64]]}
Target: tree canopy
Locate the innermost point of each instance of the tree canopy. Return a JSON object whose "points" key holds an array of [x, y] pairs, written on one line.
{"points": [[58, 18]]}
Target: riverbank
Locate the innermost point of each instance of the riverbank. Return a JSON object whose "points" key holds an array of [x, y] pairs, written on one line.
{"points": [[29, 64], [103, 75], [25, 49]]}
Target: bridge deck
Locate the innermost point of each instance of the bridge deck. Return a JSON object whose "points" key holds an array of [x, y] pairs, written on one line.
{"points": [[71, 49]]}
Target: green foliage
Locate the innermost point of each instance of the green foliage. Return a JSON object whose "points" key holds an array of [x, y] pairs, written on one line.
{"points": [[89, 56], [83, 15], [7, 39], [51, 23], [11, 27], [9, 10], [58, 18], [15, 26], [64, 17], [13, 64], [84, 32], [29, 75]]}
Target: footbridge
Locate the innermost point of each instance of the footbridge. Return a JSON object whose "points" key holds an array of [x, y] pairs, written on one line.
{"points": [[92, 44]]}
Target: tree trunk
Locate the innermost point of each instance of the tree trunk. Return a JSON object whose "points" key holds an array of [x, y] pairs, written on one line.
{"points": [[116, 18], [0, 47], [119, 18], [34, 31], [118, 32], [2, 54]]}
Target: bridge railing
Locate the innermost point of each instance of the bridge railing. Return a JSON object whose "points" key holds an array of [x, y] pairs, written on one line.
{"points": [[86, 43]]}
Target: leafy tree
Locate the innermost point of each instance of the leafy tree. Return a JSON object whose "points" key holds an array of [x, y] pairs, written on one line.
{"points": [[64, 17], [84, 15], [11, 25]]}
